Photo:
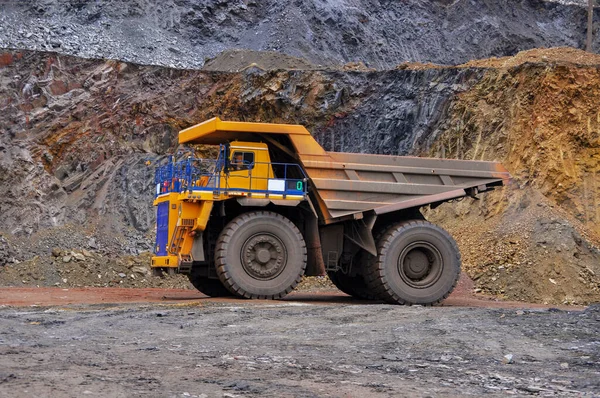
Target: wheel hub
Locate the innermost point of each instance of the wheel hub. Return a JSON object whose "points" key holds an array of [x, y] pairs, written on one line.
{"points": [[420, 264], [416, 264], [263, 256]]}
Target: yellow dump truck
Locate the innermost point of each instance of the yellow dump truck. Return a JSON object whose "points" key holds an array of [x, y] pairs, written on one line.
{"points": [[275, 206]]}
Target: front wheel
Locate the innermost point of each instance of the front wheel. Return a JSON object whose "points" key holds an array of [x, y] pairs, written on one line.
{"points": [[260, 255], [417, 262]]}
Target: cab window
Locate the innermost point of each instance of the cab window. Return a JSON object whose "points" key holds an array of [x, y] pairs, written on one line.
{"points": [[242, 160]]}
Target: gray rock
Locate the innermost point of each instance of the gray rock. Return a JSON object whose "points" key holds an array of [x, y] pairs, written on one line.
{"points": [[508, 358], [141, 270], [5, 252], [331, 32]]}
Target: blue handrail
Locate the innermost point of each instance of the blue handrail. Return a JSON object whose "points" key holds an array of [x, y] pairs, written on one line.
{"points": [[195, 174]]}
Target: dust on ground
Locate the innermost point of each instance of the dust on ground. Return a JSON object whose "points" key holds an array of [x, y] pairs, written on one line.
{"points": [[311, 290], [285, 349]]}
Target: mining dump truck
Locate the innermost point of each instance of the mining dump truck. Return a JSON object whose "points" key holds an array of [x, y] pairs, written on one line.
{"points": [[275, 206]]}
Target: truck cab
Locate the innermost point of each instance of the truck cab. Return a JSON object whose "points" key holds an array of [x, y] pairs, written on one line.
{"points": [[245, 161], [187, 190]]}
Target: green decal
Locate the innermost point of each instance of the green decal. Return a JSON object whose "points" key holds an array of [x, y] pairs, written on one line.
{"points": [[299, 186]]}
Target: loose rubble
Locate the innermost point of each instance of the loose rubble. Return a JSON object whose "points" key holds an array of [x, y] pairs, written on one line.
{"points": [[73, 268], [183, 34]]}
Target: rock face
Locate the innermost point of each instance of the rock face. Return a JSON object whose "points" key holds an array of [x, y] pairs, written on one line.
{"points": [[379, 33], [79, 135], [80, 156], [543, 123], [5, 253]]}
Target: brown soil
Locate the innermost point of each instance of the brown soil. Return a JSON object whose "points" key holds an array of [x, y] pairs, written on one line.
{"points": [[418, 66], [556, 55], [538, 238], [462, 296], [525, 253], [357, 67]]}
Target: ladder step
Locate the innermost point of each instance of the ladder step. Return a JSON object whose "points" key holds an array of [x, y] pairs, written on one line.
{"points": [[178, 236], [185, 264]]}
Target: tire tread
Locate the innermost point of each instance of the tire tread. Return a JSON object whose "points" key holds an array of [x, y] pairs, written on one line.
{"points": [[223, 243], [375, 273]]}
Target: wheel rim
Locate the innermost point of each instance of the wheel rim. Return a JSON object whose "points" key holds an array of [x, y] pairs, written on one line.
{"points": [[420, 265], [263, 256]]}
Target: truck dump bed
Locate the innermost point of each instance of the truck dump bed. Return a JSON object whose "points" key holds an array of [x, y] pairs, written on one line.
{"points": [[350, 183]]}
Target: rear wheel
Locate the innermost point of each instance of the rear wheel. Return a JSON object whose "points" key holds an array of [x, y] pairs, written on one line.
{"points": [[260, 255], [417, 263], [207, 286]]}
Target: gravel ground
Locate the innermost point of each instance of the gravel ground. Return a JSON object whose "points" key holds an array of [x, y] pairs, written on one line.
{"points": [[302, 350]]}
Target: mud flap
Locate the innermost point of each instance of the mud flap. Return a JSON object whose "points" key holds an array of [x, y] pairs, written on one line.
{"points": [[198, 247]]}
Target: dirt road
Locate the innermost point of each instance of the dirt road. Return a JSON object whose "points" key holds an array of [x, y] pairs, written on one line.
{"points": [[307, 292], [178, 344]]}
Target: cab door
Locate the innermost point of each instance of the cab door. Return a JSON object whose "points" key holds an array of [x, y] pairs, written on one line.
{"points": [[241, 167]]}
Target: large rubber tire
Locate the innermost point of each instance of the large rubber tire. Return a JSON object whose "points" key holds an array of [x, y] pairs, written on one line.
{"points": [[260, 255], [417, 263], [354, 286], [207, 286]]}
